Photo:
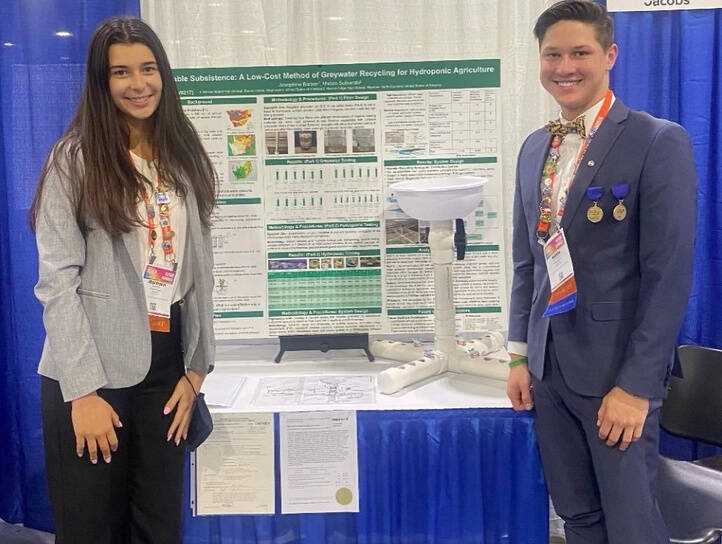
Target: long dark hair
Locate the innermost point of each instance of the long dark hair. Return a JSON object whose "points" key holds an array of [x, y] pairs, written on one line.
{"points": [[93, 156]]}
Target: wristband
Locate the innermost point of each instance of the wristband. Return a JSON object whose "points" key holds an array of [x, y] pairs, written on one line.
{"points": [[518, 361]]}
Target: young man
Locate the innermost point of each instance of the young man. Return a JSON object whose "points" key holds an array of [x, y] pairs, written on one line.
{"points": [[621, 187]]}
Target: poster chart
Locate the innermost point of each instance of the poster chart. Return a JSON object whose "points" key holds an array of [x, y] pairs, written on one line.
{"points": [[307, 237]]}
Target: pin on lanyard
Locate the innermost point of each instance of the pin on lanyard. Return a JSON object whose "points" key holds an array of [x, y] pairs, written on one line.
{"points": [[550, 170], [162, 199]]}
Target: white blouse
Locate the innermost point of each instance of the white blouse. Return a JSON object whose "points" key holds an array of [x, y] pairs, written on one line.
{"points": [[178, 224]]}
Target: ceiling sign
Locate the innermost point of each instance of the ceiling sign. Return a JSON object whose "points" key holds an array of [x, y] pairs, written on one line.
{"points": [[661, 5]]}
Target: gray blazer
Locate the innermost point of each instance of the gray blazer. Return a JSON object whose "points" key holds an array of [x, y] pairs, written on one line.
{"points": [[96, 325]]}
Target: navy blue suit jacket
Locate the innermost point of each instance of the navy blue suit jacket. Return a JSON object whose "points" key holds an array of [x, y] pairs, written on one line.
{"points": [[633, 276]]}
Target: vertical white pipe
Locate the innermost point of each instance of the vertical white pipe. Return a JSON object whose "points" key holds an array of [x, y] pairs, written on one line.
{"points": [[441, 245]]}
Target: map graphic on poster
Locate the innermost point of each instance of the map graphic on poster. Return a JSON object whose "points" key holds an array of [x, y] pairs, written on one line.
{"points": [[307, 238]]}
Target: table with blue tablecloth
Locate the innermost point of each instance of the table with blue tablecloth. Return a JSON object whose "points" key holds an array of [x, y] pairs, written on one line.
{"points": [[444, 462]]}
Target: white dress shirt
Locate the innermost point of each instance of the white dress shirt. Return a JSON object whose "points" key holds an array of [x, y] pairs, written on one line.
{"points": [[568, 151]]}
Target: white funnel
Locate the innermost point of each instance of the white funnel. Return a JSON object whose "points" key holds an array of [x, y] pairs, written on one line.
{"points": [[439, 199]]}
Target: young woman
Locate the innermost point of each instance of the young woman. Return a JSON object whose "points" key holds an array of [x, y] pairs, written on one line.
{"points": [[121, 216]]}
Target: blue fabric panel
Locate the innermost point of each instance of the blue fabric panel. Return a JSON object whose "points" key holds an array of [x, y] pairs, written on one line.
{"points": [[38, 127], [426, 476], [41, 75], [670, 65]]}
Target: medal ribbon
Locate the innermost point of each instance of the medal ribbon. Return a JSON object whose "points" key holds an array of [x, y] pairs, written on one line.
{"points": [[620, 191], [558, 131], [595, 193]]}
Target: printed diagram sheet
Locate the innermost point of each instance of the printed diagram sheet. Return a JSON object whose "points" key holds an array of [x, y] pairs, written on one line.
{"points": [[315, 390]]}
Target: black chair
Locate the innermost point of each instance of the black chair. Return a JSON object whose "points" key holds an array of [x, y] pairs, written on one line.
{"points": [[690, 493]]}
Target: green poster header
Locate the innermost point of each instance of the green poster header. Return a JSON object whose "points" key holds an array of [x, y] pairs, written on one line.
{"points": [[330, 311], [235, 315], [478, 309], [406, 250], [489, 247], [312, 254], [323, 226], [237, 201], [410, 311], [340, 273], [335, 160], [425, 249], [358, 78], [319, 98], [218, 101], [433, 162], [458, 310]]}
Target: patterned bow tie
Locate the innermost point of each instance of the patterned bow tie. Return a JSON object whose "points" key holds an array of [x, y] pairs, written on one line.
{"points": [[562, 129]]}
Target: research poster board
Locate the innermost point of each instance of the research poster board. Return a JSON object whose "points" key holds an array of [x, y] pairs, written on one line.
{"points": [[307, 238]]}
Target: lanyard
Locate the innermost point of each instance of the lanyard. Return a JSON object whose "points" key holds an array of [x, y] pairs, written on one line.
{"points": [[550, 170], [162, 199]]}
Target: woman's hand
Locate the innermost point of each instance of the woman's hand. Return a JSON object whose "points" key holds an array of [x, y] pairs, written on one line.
{"points": [[182, 400], [94, 423]]}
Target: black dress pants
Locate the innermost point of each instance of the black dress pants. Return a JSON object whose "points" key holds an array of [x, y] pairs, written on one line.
{"points": [[137, 497]]}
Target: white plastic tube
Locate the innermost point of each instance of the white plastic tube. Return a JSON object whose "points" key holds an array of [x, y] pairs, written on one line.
{"points": [[468, 358], [396, 378], [441, 244], [477, 365], [397, 351]]}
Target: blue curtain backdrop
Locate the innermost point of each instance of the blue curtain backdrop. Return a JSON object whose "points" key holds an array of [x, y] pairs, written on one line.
{"points": [[670, 65], [41, 74]]}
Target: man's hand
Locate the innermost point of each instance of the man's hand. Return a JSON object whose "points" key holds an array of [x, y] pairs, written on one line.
{"points": [[94, 423], [621, 418], [518, 387]]}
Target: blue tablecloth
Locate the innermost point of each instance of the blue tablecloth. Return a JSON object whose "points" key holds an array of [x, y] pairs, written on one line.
{"points": [[425, 476]]}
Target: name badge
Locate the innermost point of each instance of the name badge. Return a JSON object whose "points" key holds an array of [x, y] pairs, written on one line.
{"points": [[561, 275], [158, 286]]}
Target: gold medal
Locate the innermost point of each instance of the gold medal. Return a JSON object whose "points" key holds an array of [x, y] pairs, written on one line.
{"points": [[620, 211], [595, 213]]}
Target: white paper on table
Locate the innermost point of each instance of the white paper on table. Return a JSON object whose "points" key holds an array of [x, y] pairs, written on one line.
{"points": [[234, 468], [311, 390], [221, 389], [498, 355], [319, 462]]}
